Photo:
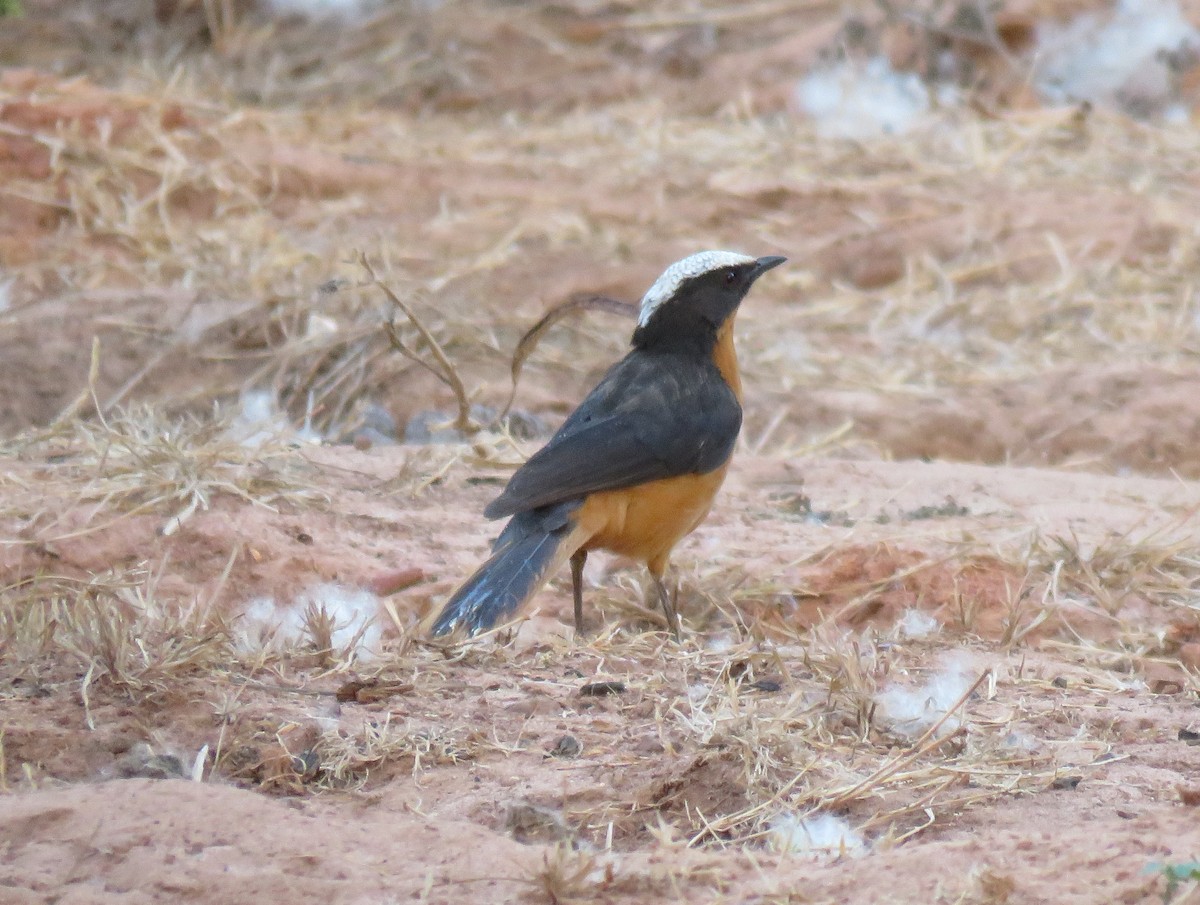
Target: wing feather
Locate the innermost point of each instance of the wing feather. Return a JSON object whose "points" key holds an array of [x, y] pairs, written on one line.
{"points": [[651, 417]]}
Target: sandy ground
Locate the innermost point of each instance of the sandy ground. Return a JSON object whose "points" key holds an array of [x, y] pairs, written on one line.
{"points": [[947, 598], [1068, 771]]}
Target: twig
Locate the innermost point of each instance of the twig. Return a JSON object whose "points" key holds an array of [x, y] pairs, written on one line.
{"points": [[87, 393], [528, 342], [726, 16], [447, 373]]}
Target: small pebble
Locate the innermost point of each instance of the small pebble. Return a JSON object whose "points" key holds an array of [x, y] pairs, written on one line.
{"points": [[600, 689], [567, 746]]}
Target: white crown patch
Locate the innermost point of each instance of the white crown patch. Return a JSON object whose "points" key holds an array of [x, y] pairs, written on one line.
{"points": [[691, 266]]}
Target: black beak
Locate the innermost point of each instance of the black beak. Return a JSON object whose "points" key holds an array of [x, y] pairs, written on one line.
{"points": [[762, 265]]}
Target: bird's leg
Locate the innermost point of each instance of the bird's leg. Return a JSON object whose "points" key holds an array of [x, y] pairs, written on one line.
{"points": [[668, 604], [578, 558]]}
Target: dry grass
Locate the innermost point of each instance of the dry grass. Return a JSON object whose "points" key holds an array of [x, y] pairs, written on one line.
{"points": [[141, 461], [791, 753], [568, 875], [114, 627], [1159, 567], [1124, 601], [347, 760]]}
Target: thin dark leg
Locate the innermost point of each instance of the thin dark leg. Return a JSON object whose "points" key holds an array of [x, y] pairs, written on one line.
{"points": [[578, 558], [668, 604]]}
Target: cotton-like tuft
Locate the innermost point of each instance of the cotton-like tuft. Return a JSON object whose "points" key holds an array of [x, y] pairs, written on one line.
{"points": [[910, 711], [1123, 60], [821, 837]]}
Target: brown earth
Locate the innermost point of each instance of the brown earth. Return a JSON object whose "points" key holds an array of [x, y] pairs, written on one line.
{"points": [[969, 396]]}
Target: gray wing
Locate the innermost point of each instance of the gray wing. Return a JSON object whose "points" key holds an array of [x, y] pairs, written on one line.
{"points": [[651, 417]]}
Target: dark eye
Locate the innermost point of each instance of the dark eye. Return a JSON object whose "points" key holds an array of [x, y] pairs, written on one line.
{"points": [[730, 277]]}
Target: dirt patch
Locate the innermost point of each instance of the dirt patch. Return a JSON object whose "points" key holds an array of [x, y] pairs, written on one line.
{"points": [[791, 692], [1100, 418]]}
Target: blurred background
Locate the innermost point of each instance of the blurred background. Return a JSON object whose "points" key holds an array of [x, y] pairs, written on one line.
{"points": [[989, 209]]}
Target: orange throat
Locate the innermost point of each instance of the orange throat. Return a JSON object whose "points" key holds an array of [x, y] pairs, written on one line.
{"points": [[725, 358]]}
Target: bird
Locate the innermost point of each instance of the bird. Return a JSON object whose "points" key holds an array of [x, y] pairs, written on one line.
{"points": [[636, 466]]}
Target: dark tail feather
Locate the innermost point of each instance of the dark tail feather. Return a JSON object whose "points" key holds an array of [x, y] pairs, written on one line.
{"points": [[502, 584]]}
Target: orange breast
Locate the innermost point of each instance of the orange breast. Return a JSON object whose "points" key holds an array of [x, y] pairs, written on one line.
{"points": [[645, 522]]}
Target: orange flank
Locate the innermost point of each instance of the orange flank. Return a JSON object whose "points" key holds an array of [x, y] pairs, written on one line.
{"points": [[645, 521]]}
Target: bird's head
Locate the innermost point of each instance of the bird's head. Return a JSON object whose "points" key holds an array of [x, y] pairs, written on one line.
{"points": [[694, 297]]}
